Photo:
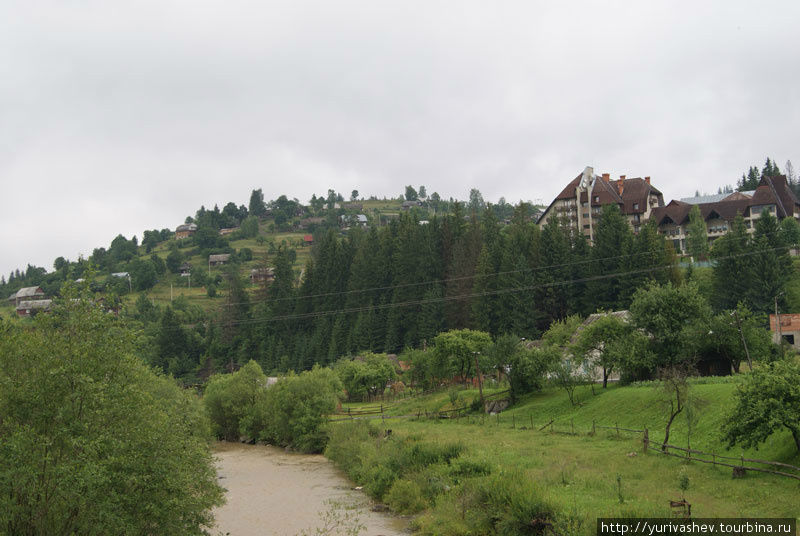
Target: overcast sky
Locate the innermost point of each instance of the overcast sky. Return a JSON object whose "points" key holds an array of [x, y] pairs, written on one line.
{"points": [[117, 117]]}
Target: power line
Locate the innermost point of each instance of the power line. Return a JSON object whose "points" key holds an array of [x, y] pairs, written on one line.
{"points": [[464, 278], [507, 290]]}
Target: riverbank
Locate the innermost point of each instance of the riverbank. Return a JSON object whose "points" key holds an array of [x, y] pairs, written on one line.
{"points": [[272, 492]]}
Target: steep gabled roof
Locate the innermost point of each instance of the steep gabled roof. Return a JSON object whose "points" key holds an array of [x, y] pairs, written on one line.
{"points": [[637, 191], [677, 211], [605, 193], [569, 190], [29, 292]]}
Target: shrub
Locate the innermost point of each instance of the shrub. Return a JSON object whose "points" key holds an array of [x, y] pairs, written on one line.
{"points": [[515, 506], [231, 402], [405, 497], [297, 407], [378, 480], [470, 467]]}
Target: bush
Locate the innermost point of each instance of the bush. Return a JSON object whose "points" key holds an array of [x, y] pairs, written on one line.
{"points": [[231, 401], [297, 407], [366, 375], [405, 497], [515, 506]]}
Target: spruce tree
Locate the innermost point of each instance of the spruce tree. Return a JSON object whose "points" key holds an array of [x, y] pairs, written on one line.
{"points": [[697, 235], [612, 244], [732, 266]]}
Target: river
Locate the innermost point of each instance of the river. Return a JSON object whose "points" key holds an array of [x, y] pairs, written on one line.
{"points": [[272, 492]]}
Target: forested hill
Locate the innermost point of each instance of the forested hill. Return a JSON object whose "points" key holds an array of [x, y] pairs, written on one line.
{"points": [[393, 283], [397, 282]]}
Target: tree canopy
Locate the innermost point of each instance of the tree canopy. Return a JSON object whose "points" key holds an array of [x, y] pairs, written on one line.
{"points": [[92, 441]]}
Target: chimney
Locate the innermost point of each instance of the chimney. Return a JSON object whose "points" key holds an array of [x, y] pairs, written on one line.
{"points": [[621, 185], [606, 177], [647, 180], [622, 177]]}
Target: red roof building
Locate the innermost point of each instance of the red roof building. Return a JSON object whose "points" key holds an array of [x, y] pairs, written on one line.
{"points": [[580, 202]]}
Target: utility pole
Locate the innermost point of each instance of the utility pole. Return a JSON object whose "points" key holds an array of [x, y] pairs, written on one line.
{"points": [[744, 342], [778, 321], [478, 370]]}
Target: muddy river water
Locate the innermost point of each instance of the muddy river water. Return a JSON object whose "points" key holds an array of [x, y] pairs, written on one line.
{"points": [[272, 492]]}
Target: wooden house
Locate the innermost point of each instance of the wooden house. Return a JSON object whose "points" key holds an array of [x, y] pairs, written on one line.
{"points": [[32, 307], [261, 275], [26, 294], [219, 260], [185, 231]]}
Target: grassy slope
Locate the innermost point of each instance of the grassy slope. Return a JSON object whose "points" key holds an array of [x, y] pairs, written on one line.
{"points": [[578, 472]]}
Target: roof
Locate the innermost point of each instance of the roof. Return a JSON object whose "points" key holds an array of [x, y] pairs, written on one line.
{"points": [[29, 292], [308, 238], [361, 218], [186, 227], [727, 196], [120, 274], [623, 315], [222, 257], [771, 191], [636, 193], [631, 194]]}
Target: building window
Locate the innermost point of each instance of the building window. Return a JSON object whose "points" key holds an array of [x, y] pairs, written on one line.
{"points": [[636, 206], [586, 226], [597, 199], [585, 214]]}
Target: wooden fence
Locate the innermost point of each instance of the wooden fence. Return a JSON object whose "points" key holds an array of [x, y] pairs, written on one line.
{"points": [[739, 464]]}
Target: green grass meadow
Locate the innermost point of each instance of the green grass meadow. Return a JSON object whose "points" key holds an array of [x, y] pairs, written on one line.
{"points": [[580, 475]]}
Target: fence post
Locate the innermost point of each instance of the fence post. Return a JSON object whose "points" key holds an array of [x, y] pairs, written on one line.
{"points": [[594, 427], [617, 424], [531, 422], [513, 422], [646, 440]]}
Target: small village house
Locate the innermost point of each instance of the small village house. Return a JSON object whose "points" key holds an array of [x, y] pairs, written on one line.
{"points": [[261, 275], [786, 330], [26, 294], [185, 231], [219, 260], [33, 307], [307, 223], [408, 205], [226, 232]]}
